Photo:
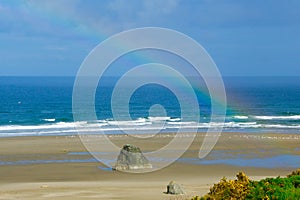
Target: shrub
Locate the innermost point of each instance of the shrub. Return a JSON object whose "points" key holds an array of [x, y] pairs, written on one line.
{"points": [[275, 188], [230, 189], [266, 189]]}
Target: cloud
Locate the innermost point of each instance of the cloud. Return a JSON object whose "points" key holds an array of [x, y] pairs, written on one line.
{"points": [[67, 18], [100, 19], [71, 28]]}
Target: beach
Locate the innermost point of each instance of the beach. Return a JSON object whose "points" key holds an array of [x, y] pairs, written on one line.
{"points": [[59, 167], [123, 100]]}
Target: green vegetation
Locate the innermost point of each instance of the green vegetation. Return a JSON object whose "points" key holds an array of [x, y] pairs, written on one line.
{"points": [[275, 188], [266, 189]]}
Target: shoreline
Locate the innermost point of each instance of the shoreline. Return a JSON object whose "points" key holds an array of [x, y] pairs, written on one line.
{"points": [[80, 180], [251, 131], [279, 131]]}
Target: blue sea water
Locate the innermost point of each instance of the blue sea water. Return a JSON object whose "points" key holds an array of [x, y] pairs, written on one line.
{"points": [[43, 106]]}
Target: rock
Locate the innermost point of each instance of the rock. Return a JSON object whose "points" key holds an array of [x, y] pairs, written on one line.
{"points": [[174, 188], [131, 158]]}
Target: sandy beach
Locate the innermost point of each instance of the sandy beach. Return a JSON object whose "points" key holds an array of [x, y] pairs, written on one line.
{"points": [[44, 167]]}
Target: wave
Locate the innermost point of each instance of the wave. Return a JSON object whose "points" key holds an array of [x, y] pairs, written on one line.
{"points": [[291, 117], [136, 126], [49, 120], [267, 117], [138, 122], [180, 123], [240, 117], [174, 119], [59, 125], [153, 119]]}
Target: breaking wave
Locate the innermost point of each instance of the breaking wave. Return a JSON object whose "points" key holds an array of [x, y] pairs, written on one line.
{"points": [[144, 124]]}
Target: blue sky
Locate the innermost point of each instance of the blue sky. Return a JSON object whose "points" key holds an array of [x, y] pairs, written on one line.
{"points": [[245, 38]]}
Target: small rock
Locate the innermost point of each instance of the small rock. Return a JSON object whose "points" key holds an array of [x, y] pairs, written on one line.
{"points": [[174, 188]]}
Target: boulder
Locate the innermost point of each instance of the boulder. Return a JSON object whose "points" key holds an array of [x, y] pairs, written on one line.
{"points": [[131, 158], [174, 188]]}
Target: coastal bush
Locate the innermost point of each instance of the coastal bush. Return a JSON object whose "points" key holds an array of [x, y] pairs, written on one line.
{"points": [[229, 189], [242, 188], [275, 188]]}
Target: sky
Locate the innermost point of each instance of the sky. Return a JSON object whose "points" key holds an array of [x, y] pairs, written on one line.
{"points": [[244, 38]]}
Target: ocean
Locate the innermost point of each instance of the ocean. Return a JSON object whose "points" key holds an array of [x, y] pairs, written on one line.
{"points": [[41, 106]]}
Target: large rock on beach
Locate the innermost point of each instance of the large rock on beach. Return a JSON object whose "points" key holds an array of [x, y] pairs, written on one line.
{"points": [[131, 158], [174, 188]]}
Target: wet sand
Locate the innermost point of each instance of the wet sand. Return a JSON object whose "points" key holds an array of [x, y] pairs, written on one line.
{"points": [[44, 167]]}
